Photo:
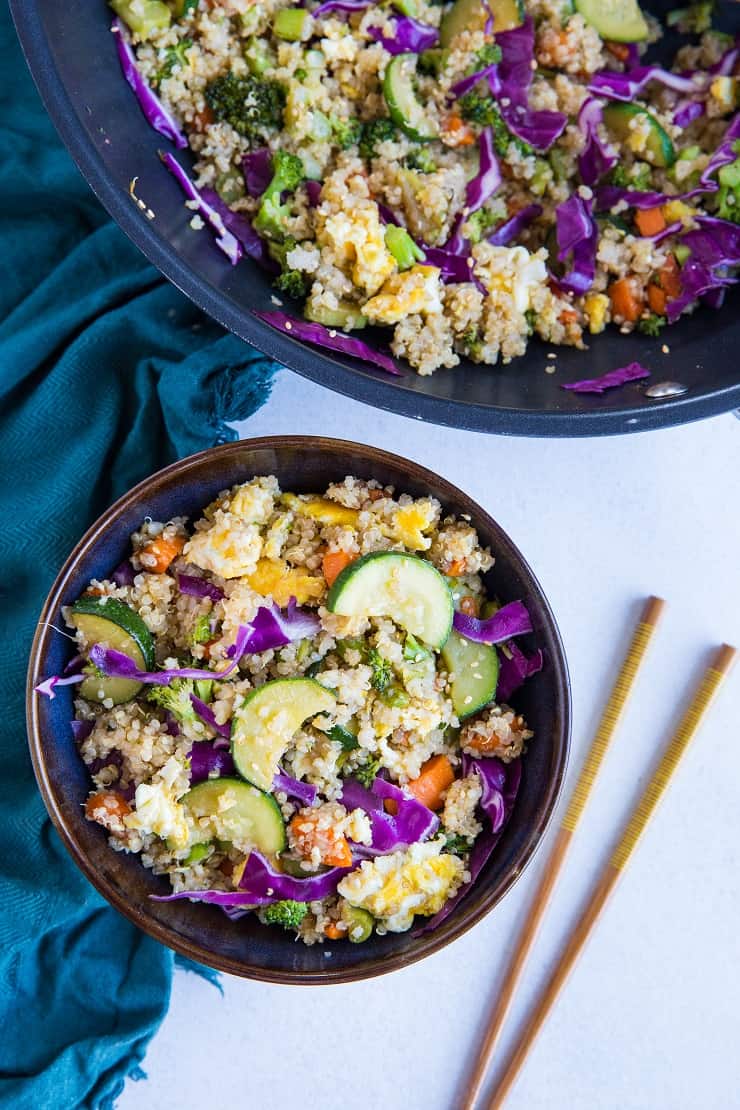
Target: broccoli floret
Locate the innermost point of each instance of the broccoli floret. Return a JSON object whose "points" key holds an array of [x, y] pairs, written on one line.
{"points": [[483, 110], [652, 324], [382, 670], [693, 20], [395, 696], [489, 55], [421, 160], [175, 699], [252, 106], [472, 341], [174, 57], [432, 62], [287, 913], [374, 132], [292, 283], [368, 772], [637, 177], [347, 132], [287, 174], [728, 196], [201, 632], [413, 651], [479, 223], [344, 737], [459, 845]]}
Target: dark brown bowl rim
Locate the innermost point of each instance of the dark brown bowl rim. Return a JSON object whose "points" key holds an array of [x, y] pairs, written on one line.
{"points": [[454, 926]]}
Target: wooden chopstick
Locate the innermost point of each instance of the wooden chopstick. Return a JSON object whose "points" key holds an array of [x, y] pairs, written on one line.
{"points": [[643, 811], [610, 719]]}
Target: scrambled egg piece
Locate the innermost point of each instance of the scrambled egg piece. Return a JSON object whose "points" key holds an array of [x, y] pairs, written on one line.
{"points": [[395, 887], [595, 307], [228, 548], [724, 91], [511, 271], [231, 545], [410, 522], [159, 812], [676, 210], [321, 509], [415, 291], [281, 582], [358, 241]]}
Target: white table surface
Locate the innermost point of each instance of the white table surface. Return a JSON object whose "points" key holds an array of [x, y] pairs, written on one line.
{"points": [[650, 1018]]}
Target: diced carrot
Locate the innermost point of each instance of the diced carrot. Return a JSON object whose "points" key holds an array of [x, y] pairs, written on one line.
{"points": [[308, 834], [469, 606], [163, 551], [334, 563], [568, 316], [435, 777], [625, 302], [90, 592], [670, 277], [390, 805], [657, 299], [456, 132], [649, 221], [203, 119], [333, 932], [456, 568], [107, 807], [618, 50]]}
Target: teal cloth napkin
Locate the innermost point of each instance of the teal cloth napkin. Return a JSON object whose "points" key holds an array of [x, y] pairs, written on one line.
{"points": [[106, 374]]}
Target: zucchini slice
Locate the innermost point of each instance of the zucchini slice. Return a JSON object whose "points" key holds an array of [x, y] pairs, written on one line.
{"points": [[471, 15], [264, 725], [236, 811], [658, 148], [615, 20], [403, 587], [475, 670], [112, 622], [400, 96]]}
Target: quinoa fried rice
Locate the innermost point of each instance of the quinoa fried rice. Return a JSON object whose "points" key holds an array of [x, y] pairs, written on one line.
{"points": [[312, 83], [390, 782]]}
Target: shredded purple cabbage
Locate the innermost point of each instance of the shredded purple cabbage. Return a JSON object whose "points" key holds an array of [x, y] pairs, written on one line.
{"points": [[257, 170], [409, 36], [332, 340], [123, 575], [510, 620], [596, 158], [633, 372], [629, 85], [208, 717], [578, 236], [344, 6], [305, 792], [263, 884], [225, 239], [48, 686], [506, 232], [241, 228], [156, 114], [273, 627], [193, 586], [498, 812], [313, 191], [412, 821], [81, 730], [113, 758], [715, 247], [465, 84], [454, 267], [539, 128], [515, 68], [485, 183], [117, 665], [207, 761], [687, 111], [514, 668]]}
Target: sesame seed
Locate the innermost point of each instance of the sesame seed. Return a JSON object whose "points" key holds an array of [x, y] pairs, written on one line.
{"points": [[550, 369], [288, 325], [468, 699], [665, 349], [551, 354]]}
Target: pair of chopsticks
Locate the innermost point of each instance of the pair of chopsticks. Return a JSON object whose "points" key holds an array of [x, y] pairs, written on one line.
{"points": [[643, 811]]}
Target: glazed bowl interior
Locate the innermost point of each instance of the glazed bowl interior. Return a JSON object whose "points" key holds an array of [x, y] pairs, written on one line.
{"points": [[246, 947], [72, 57]]}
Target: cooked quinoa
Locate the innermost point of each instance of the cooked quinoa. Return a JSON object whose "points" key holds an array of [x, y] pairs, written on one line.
{"points": [[300, 703], [381, 150]]}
